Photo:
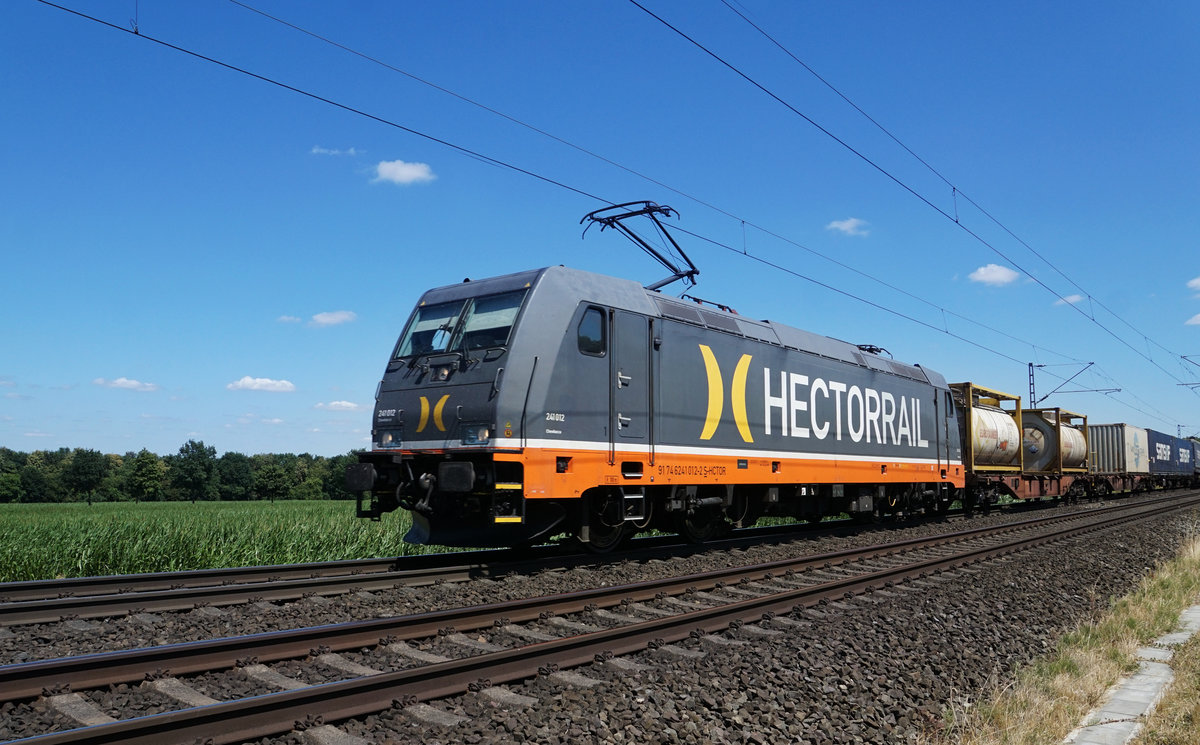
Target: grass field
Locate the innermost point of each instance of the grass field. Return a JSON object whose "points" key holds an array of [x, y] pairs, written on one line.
{"points": [[42, 541]]}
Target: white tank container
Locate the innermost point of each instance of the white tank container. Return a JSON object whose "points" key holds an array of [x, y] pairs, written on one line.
{"points": [[995, 437]]}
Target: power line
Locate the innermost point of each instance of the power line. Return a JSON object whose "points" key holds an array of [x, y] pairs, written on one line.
{"points": [[498, 162], [331, 102], [956, 191], [639, 174], [694, 198], [744, 252], [895, 179]]}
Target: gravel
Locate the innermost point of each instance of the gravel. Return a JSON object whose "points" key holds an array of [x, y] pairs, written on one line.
{"points": [[45, 641], [877, 669]]}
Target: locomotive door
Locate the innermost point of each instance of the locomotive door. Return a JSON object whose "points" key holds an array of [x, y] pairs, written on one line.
{"points": [[938, 436], [941, 429], [630, 365]]}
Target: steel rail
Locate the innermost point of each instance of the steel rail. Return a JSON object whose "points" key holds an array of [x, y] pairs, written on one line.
{"points": [[47, 601], [27, 680], [48, 589], [271, 714]]}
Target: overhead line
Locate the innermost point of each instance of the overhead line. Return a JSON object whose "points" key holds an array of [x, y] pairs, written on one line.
{"points": [[896, 180], [639, 174], [494, 161], [936, 172], [331, 102]]}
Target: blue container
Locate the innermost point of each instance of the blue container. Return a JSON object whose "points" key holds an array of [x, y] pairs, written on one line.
{"points": [[1164, 454]]}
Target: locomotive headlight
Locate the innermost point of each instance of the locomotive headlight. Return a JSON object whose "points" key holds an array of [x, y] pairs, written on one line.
{"points": [[387, 440], [476, 434]]}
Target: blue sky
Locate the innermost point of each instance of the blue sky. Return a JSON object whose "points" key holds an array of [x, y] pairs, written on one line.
{"points": [[193, 253]]}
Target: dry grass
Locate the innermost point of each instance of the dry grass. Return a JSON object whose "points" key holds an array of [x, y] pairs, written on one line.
{"points": [[1176, 721], [1048, 698]]}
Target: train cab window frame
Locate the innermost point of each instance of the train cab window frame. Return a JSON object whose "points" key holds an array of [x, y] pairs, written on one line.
{"points": [[591, 334], [465, 325]]}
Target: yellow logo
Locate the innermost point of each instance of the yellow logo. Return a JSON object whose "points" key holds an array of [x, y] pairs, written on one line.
{"points": [[437, 413], [716, 395]]}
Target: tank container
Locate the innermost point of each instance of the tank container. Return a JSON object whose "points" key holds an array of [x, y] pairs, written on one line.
{"points": [[1046, 436]]}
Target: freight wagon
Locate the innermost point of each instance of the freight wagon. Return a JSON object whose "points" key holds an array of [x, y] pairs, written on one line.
{"points": [[1019, 453]]}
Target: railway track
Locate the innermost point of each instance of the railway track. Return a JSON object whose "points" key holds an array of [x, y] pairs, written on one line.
{"points": [[48, 601], [416, 659]]}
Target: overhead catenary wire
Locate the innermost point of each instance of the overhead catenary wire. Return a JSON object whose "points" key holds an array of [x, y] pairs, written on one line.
{"points": [[895, 179], [743, 222], [955, 191], [263, 78], [504, 164]]}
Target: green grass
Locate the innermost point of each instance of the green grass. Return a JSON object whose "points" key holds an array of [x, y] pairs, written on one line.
{"points": [[77, 540]]}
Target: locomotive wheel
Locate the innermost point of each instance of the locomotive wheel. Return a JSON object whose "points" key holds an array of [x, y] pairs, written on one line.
{"points": [[606, 524], [701, 525]]}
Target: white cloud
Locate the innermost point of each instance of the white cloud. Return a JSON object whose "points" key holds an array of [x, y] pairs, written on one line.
{"points": [[399, 172], [37, 434], [318, 150], [126, 384], [1072, 299], [1193, 321], [1194, 284], [288, 319], [333, 318], [262, 384], [339, 406], [849, 226], [993, 274]]}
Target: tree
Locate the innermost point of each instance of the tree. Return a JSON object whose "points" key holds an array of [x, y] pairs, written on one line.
{"points": [[11, 461], [10, 487], [194, 471], [335, 476], [236, 476], [39, 479], [147, 477], [272, 481], [84, 473]]}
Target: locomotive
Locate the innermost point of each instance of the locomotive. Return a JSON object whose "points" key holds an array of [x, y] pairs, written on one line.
{"points": [[560, 401]]}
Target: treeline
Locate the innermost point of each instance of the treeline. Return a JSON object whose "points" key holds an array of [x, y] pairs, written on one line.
{"points": [[194, 473]]}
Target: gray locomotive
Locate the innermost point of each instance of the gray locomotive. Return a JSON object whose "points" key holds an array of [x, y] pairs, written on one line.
{"points": [[558, 401]]}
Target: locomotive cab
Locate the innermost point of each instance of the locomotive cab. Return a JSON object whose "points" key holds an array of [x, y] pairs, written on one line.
{"points": [[436, 420]]}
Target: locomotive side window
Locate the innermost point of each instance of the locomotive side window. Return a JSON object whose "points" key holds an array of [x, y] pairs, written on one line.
{"points": [[591, 333]]}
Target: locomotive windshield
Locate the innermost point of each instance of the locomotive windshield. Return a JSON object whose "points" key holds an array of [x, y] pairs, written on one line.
{"points": [[461, 325]]}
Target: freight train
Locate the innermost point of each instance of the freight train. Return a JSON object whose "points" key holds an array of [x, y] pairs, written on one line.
{"points": [[558, 401]]}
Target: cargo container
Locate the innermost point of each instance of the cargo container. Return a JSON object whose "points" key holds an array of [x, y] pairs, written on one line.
{"points": [[1118, 448], [1195, 458], [1054, 441], [1166, 454]]}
